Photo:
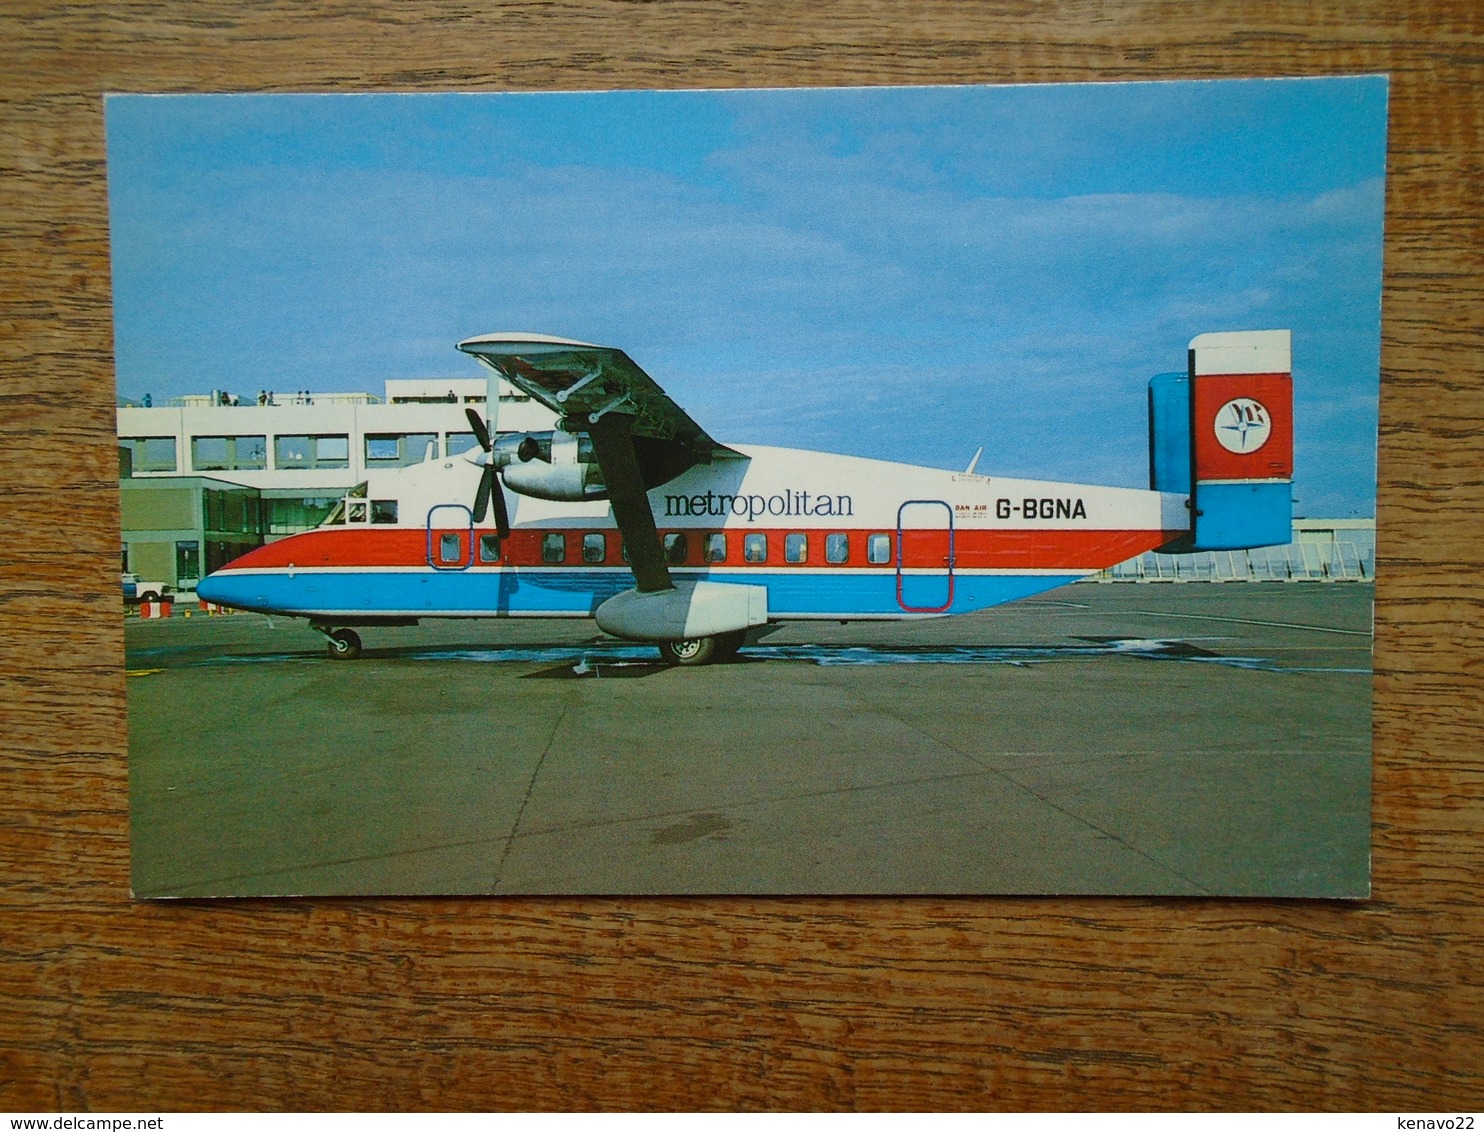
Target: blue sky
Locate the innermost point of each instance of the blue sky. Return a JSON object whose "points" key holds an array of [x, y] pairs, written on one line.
{"points": [[906, 273]]}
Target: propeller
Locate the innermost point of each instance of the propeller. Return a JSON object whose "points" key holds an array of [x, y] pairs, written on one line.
{"points": [[489, 481]]}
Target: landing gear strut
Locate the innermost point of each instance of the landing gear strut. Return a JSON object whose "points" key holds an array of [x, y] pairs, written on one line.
{"points": [[702, 650], [344, 644]]}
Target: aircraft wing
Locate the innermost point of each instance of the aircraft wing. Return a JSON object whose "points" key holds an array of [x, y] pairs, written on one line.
{"points": [[580, 380], [641, 438]]}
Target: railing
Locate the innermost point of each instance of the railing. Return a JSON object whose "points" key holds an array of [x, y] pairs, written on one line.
{"points": [[280, 401], [1339, 561]]}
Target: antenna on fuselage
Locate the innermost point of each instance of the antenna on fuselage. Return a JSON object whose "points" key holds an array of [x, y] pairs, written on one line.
{"points": [[974, 463]]}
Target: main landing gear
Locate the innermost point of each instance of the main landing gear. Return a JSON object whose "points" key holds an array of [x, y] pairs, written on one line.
{"points": [[702, 650], [344, 644]]}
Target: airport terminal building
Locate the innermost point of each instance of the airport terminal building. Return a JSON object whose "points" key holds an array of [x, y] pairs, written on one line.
{"points": [[206, 478]]}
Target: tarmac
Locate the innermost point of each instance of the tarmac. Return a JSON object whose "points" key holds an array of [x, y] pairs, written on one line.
{"points": [[1171, 739]]}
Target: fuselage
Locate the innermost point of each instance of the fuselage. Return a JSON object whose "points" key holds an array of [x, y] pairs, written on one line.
{"points": [[830, 536]]}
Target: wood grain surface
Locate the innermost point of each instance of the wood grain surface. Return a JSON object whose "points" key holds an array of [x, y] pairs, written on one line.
{"points": [[724, 1003]]}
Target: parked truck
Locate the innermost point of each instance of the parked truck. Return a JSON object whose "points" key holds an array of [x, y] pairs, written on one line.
{"points": [[137, 589]]}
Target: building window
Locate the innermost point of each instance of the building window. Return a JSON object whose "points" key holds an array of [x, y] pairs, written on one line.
{"points": [[796, 547], [187, 562], [755, 548], [489, 548], [675, 548], [554, 547], [837, 548], [233, 511], [715, 548], [397, 449], [594, 547], [383, 510], [878, 550], [311, 451], [457, 443], [150, 453], [229, 453], [450, 548], [290, 516]]}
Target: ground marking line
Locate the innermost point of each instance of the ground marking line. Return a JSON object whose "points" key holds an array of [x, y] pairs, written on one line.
{"points": [[524, 802], [1006, 776], [1250, 621]]}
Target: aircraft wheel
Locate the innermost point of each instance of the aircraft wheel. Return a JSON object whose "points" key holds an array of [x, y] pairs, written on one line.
{"points": [[345, 644], [692, 652]]}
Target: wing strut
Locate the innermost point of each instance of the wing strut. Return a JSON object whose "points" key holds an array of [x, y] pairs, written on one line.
{"points": [[613, 445]]}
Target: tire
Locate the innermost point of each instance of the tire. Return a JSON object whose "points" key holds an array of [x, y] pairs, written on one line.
{"points": [[703, 650], [150, 596], [689, 654], [345, 644]]}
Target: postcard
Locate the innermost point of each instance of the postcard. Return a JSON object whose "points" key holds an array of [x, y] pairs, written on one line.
{"points": [[942, 490]]}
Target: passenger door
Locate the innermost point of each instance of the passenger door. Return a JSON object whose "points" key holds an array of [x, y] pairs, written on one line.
{"points": [[450, 537], [925, 556]]}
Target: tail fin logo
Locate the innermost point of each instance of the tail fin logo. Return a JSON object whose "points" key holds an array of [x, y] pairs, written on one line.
{"points": [[1242, 426]]}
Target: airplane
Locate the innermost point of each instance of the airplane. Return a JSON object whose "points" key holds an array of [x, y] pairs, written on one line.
{"points": [[628, 512]]}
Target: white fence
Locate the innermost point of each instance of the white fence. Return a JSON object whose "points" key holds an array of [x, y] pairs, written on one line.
{"points": [[1338, 561]]}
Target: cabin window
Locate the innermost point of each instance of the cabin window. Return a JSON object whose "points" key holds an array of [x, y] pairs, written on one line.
{"points": [[554, 547], [489, 548], [796, 547], [383, 510], [755, 548], [449, 549], [715, 549], [675, 549], [837, 548], [594, 547], [355, 511], [878, 550]]}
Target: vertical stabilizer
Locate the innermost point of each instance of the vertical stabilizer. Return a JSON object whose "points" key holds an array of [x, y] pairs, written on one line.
{"points": [[1241, 439]]}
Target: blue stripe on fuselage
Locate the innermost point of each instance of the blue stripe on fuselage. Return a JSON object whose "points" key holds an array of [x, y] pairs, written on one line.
{"points": [[572, 591]]}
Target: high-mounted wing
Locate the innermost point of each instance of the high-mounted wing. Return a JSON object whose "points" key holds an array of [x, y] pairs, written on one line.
{"points": [[579, 380], [641, 438]]}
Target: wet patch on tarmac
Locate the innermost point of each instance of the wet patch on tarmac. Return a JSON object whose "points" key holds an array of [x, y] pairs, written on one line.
{"points": [[713, 825], [627, 660]]}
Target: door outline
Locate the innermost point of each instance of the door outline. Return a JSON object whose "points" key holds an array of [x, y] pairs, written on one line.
{"points": [[947, 564], [433, 560]]}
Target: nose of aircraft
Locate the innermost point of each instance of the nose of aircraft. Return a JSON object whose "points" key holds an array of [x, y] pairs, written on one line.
{"points": [[222, 590]]}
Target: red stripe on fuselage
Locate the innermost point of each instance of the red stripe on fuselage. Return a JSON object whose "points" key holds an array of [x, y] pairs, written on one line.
{"points": [[997, 549]]}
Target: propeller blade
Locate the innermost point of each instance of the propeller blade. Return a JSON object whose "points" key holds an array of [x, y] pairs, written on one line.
{"points": [[476, 422], [502, 516], [482, 496]]}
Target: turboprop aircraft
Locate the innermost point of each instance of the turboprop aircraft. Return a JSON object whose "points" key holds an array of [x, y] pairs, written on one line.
{"points": [[629, 513]]}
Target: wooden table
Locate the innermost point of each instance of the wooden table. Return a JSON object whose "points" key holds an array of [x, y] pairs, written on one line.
{"points": [[729, 1003]]}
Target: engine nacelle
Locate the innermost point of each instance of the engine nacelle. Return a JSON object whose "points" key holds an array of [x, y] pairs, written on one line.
{"points": [[689, 611], [549, 465]]}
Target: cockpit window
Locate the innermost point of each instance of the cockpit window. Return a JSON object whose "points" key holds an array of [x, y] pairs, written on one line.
{"points": [[337, 515]]}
